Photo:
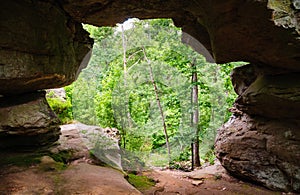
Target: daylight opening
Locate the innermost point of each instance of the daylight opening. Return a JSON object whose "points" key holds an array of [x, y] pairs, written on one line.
{"points": [[154, 97]]}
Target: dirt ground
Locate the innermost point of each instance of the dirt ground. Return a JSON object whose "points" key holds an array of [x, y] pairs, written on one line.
{"points": [[212, 180], [84, 177], [87, 179]]}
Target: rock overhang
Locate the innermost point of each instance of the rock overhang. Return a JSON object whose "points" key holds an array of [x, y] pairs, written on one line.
{"points": [[42, 45]]}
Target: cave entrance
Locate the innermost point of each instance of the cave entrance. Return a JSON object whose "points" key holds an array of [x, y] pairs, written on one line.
{"points": [[116, 91]]}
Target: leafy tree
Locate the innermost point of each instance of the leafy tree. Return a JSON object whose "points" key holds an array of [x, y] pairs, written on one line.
{"points": [[101, 96]]}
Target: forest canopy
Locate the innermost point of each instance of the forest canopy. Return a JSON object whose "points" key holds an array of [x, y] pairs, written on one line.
{"points": [[134, 65]]}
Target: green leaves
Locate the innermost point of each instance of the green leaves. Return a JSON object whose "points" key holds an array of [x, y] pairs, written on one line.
{"points": [[105, 96], [98, 33], [63, 109]]}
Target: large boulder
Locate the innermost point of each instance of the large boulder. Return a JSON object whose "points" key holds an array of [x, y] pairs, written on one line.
{"points": [[267, 92], [81, 138], [27, 122], [40, 47], [261, 150], [261, 142]]}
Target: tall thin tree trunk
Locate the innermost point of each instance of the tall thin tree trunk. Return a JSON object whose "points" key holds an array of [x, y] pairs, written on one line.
{"points": [[124, 52], [125, 85], [195, 116], [159, 105]]}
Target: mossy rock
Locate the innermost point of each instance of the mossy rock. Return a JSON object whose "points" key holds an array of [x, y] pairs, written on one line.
{"points": [[19, 159], [63, 156], [49, 164], [140, 182]]}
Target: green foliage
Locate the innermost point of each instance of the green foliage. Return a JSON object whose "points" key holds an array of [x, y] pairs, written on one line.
{"points": [[62, 157], [98, 33], [209, 156], [63, 109], [102, 86], [69, 92]]}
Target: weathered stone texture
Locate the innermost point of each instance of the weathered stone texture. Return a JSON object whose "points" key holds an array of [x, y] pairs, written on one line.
{"points": [[261, 142], [261, 150], [231, 30], [27, 122], [40, 46]]}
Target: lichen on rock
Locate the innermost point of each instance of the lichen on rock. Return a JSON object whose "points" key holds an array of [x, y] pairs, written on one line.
{"points": [[286, 13]]}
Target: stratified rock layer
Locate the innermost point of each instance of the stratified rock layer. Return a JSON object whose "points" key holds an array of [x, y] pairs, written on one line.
{"points": [[27, 122], [43, 45], [40, 47], [232, 30], [261, 142], [262, 150]]}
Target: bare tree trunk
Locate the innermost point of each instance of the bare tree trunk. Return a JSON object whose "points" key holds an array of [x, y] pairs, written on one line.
{"points": [[124, 52], [195, 117], [159, 105], [125, 85]]}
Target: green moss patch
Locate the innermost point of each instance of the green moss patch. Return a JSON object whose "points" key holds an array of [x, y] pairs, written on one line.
{"points": [[140, 182], [21, 160], [63, 156], [49, 164]]}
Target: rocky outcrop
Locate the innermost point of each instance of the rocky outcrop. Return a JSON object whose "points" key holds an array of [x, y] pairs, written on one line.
{"points": [[27, 122], [57, 93], [261, 142], [40, 47], [67, 169], [86, 139], [231, 30], [261, 150]]}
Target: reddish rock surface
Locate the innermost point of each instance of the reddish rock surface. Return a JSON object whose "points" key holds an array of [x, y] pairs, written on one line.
{"points": [[261, 142], [27, 122], [42, 45]]}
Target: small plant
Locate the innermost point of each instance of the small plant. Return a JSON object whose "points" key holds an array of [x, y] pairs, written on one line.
{"points": [[217, 176], [84, 131], [63, 156], [210, 157]]}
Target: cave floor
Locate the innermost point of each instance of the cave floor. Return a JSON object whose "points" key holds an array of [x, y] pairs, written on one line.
{"points": [[206, 181], [79, 178], [84, 176]]}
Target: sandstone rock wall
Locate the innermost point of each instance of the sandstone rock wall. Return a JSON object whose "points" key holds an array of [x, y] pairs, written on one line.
{"points": [[232, 30], [27, 122], [261, 142], [40, 46]]}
